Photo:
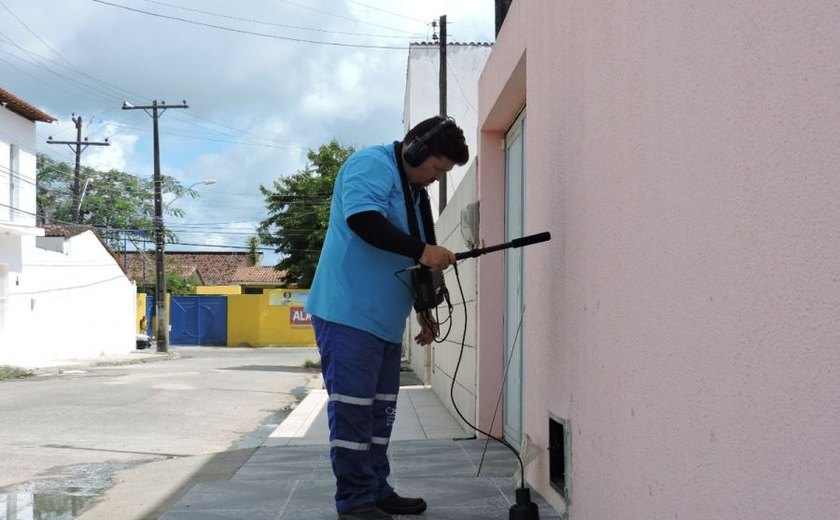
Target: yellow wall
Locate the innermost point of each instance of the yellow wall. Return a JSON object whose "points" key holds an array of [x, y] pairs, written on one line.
{"points": [[261, 320], [141, 312], [218, 289], [257, 319]]}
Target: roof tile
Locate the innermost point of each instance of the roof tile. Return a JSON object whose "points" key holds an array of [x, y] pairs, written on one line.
{"points": [[211, 268]]}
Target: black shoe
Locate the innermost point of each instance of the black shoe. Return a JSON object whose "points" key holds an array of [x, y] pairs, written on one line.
{"points": [[397, 505], [367, 512]]}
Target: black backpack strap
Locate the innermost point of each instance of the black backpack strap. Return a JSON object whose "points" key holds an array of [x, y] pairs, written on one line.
{"points": [[428, 286], [426, 216], [411, 215]]}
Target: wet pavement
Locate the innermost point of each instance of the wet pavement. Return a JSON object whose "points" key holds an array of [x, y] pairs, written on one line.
{"points": [[80, 427], [286, 473], [61, 497]]}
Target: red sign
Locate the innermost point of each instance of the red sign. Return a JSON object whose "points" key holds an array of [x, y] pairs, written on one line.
{"points": [[298, 316]]}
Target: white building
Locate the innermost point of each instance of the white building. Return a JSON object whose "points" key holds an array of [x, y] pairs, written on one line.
{"points": [[436, 364], [61, 297], [464, 63]]}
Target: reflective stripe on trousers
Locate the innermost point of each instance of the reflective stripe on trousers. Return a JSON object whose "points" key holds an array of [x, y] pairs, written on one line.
{"points": [[362, 375]]}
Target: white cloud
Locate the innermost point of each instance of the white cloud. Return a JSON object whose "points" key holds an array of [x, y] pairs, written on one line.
{"points": [[113, 156], [256, 103]]}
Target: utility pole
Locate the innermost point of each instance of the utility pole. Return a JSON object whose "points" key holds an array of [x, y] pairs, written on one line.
{"points": [[77, 148], [162, 325], [442, 91]]}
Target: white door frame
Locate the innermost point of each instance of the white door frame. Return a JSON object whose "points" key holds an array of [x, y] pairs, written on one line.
{"points": [[514, 298]]}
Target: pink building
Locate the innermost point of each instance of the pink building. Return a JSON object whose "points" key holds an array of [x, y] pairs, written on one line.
{"points": [[680, 334]]}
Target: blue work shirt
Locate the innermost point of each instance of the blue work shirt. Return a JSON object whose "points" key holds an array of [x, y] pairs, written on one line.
{"points": [[355, 283]]}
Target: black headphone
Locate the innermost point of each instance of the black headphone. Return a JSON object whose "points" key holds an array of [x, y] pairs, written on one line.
{"points": [[418, 150]]}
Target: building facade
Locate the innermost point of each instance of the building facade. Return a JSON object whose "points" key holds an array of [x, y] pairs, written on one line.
{"points": [[62, 295], [672, 352]]}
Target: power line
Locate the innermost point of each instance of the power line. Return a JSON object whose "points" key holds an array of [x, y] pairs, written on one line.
{"points": [[68, 62], [224, 246], [237, 132], [39, 80], [78, 191], [18, 210], [222, 223], [252, 33], [386, 12], [273, 24], [14, 174], [42, 65], [343, 17], [266, 143]]}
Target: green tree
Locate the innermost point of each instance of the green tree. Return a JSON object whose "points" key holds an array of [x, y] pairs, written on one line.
{"points": [[113, 200], [178, 284], [253, 254], [298, 209]]}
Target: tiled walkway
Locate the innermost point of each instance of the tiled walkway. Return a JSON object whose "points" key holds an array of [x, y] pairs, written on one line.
{"points": [[290, 477]]}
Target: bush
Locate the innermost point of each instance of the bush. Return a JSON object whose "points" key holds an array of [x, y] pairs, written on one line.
{"points": [[9, 372]]}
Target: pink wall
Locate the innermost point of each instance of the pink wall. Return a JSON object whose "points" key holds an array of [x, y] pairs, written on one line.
{"points": [[685, 318]]}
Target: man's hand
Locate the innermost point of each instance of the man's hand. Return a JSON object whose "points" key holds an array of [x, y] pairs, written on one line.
{"points": [[437, 257], [428, 329]]}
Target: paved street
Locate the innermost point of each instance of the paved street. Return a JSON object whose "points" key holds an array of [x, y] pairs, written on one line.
{"points": [[65, 438]]}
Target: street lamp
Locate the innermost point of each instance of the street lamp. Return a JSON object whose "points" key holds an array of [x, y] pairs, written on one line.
{"points": [[206, 182]]}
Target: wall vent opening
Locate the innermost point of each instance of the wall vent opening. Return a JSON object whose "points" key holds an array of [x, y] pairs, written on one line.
{"points": [[558, 458]]}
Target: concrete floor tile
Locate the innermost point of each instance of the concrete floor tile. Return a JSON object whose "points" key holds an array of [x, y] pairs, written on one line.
{"points": [[293, 480]]}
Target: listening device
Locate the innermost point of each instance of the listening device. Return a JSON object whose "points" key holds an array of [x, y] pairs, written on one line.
{"points": [[429, 288], [418, 150]]}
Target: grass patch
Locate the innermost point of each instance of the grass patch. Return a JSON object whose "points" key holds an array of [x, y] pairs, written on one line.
{"points": [[9, 372], [312, 365]]}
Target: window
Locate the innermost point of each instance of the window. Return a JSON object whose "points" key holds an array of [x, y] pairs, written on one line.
{"points": [[4, 292], [14, 183]]}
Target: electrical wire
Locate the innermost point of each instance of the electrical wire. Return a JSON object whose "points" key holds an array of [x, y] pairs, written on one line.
{"points": [[455, 375], [252, 33], [70, 65], [273, 24], [501, 390], [65, 78], [458, 366], [344, 17], [388, 12]]}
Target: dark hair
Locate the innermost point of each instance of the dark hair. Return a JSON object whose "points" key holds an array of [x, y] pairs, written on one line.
{"points": [[448, 142]]}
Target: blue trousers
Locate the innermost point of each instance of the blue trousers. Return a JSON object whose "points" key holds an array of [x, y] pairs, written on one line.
{"points": [[362, 376]]}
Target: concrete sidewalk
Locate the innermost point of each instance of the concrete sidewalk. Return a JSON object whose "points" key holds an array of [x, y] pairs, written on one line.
{"points": [[290, 477]]}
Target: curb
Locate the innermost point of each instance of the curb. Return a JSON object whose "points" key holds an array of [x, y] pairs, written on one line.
{"points": [[128, 359]]}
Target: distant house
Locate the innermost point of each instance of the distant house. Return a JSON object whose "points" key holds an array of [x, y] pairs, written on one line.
{"points": [[204, 268], [257, 279], [62, 296]]}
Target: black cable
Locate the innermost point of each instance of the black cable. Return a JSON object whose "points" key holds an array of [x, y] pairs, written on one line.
{"points": [[252, 33], [264, 22], [437, 338], [502, 389], [503, 442]]}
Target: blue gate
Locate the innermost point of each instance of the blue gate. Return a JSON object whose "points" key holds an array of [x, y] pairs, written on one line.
{"points": [[150, 311], [198, 320]]}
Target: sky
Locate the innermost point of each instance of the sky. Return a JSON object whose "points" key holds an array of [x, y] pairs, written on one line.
{"points": [[265, 81]]}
